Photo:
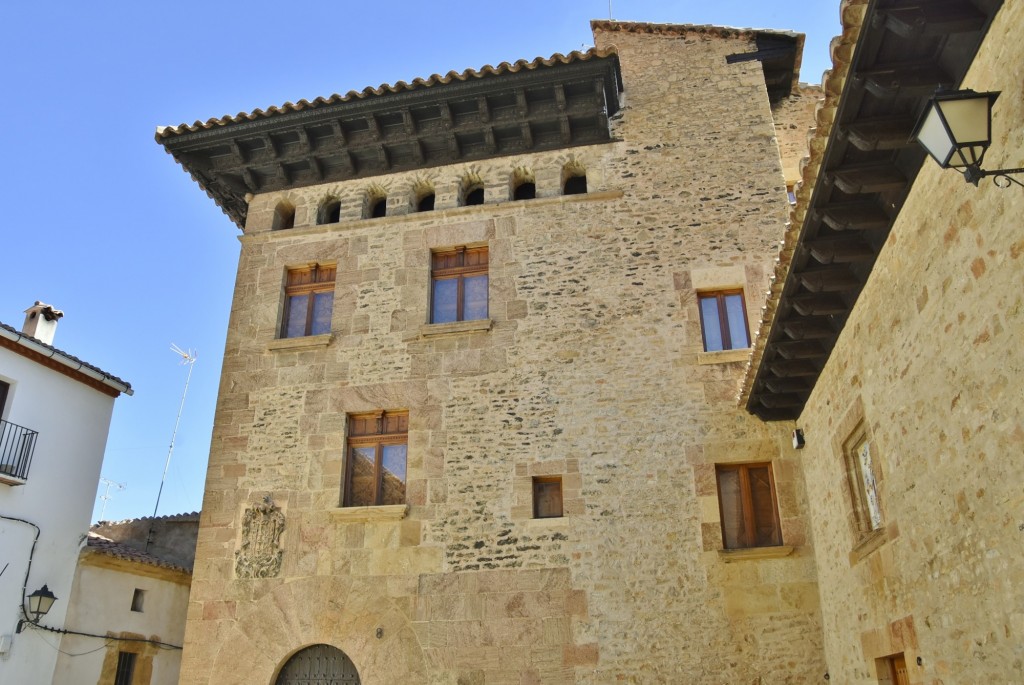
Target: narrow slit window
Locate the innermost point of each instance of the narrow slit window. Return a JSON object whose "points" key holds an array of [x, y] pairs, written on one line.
{"points": [[138, 597]]}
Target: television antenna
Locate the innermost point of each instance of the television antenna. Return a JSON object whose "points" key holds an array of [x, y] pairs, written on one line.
{"points": [[106, 493], [188, 358]]}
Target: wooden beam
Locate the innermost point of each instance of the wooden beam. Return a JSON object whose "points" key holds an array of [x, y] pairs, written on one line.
{"points": [[780, 400], [791, 368], [829, 279], [269, 144], [418, 152], [935, 18], [375, 130], [339, 131], [855, 216], [240, 152], [782, 385], [484, 108], [799, 349], [522, 106], [492, 145], [839, 250], [527, 133], [410, 121], [890, 80], [250, 180], [566, 130], [383, 157], [883, 133], [317, 167], [818, 304], [868, 178], [808, 328], [560, 97]]}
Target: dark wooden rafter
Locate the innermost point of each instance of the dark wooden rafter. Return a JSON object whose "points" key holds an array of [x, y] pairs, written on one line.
{"points": [[906, 49]]}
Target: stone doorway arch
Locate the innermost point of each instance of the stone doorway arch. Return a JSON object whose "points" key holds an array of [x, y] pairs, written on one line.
{"points": [[318, 665]]}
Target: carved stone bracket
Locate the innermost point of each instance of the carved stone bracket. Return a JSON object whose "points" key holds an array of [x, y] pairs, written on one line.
{"points": [[259, 555]]}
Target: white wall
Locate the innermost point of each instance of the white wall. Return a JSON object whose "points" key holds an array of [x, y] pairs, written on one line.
{"points": [[101, 603], [72, 420]]}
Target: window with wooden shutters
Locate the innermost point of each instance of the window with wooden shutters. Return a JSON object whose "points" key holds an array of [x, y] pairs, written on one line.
{"points": [[723, 320], [309, 300], [375, 468], [747, 501], [458, 285]]}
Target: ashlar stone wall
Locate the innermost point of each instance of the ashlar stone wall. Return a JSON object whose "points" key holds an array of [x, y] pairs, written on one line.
{"points": [[931, 363], [591, 367]]}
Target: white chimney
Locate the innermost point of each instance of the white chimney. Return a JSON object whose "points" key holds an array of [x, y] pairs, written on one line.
{"points": [[41, 322]]}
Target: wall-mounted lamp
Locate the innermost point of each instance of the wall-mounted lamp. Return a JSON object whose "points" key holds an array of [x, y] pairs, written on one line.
{"points": [[956, 130], [798, 439], [39, 603]]}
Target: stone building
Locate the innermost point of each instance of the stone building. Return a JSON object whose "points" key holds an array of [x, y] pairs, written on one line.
{"points": [[477, 420], [892, 337]]}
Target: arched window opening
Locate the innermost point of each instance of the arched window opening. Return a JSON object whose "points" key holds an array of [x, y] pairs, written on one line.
{"points": [[284, 216], [526, 190], [425, 203], [474, 196], [330, 212], [378, 207], [575, 185], [318, 664]]}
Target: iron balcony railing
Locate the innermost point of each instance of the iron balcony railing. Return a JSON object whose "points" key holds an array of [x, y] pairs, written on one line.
{"points": [[17, 444]]}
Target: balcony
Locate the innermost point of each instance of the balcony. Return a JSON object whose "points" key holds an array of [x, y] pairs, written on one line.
{"points": [[17, 444]]}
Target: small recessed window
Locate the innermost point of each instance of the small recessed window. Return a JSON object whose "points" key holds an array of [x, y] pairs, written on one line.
{"points": [[378, 208], [425, 203], [474, 196], [137, 599], [330, 212], [575, 185], [284, 216], [525, 191], [791, 194], [547, 497]]}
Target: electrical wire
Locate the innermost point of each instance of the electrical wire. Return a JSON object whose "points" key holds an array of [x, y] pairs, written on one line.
{"points": [[65, 631]]}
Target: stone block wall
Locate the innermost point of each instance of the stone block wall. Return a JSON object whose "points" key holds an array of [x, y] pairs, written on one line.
{"points": [[931, 364], [590, 367]]}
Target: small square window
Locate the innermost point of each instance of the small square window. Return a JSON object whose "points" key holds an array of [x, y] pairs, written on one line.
{"points": [[309, 300], [746, 498], [125, 668], [458, 284], [375, 470], [137, 598], [547, 497], [860, 472], [723, 320]]}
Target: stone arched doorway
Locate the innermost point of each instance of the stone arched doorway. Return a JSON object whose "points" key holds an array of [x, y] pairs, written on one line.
{"points": [[318, 665]]}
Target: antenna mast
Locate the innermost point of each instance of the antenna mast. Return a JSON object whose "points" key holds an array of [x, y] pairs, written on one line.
{"points": [[106, 493], [188, 357]]}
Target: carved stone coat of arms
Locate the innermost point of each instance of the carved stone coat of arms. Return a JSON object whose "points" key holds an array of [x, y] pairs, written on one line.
{"points": [[259, 555]]}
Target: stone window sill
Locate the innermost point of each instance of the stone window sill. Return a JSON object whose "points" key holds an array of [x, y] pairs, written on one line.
{"points": [[731, 555], [551, 522], [868, 544], [305, 342], [429, 330], [378, 514], [723, 356]]}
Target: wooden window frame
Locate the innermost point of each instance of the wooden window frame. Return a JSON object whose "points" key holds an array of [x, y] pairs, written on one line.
{"points": [[723, 318], [378, 440], [547, 481], [460, 273], [863, 522], [322, 281], [746, 504]]}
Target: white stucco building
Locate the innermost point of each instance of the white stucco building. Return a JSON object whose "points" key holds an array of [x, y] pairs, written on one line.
{"points": [[55, 412]]}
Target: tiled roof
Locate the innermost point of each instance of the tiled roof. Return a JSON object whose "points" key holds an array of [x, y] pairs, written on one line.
{"points": [[184, 516], [68, 357], [679, 29], [108, 547], [383, 90], [842, 46]]}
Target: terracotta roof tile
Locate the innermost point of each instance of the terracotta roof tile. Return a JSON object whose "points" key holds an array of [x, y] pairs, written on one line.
{"points": [[69, 357], [108, 547], [384, 89]]}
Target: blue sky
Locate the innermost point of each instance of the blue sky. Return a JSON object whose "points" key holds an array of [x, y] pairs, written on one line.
{"points": [[101, 223]]}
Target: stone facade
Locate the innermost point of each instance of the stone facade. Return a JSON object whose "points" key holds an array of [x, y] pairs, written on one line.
{"points": [[590, 367], [930, 365]]}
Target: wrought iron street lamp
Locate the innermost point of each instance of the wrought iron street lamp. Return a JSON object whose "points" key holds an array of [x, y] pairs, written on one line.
{"points": [[39, 603], [956, 130]]}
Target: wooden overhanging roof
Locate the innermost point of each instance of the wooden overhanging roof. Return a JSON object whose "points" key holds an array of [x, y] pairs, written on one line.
{"points": [[476, 114], [857, 182]]}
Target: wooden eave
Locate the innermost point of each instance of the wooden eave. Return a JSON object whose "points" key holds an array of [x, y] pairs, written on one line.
{"points": [[905, 50], [528, 107]]}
